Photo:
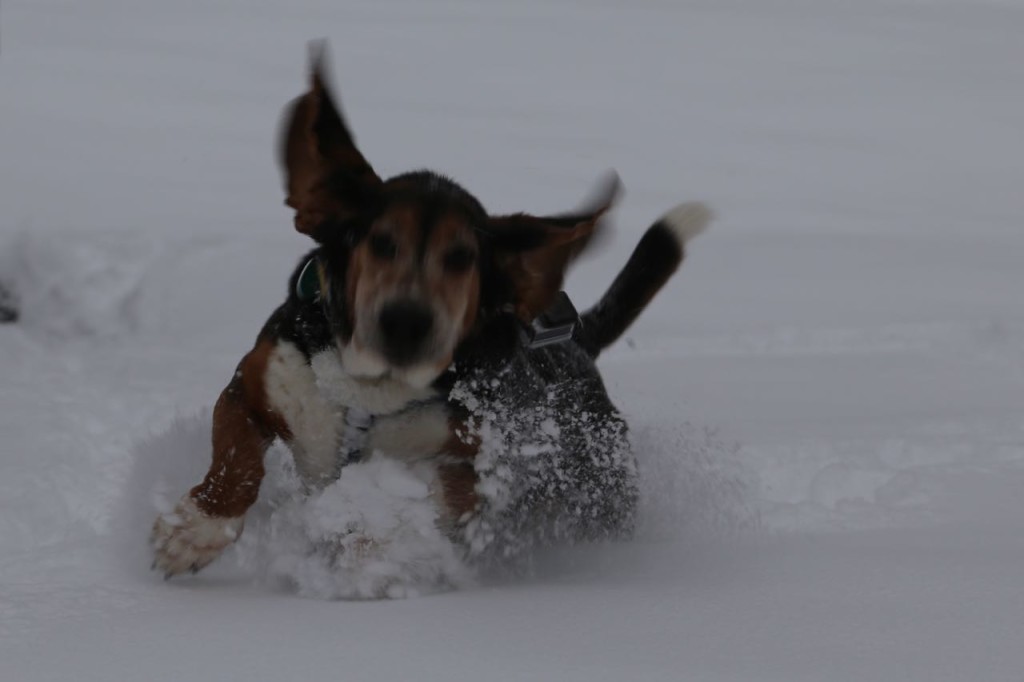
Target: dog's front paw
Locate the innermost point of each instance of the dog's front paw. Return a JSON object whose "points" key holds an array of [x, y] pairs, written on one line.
{"points": [[187, 539]]}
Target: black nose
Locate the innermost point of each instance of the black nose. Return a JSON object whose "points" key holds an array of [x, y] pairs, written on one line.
{"points": [[404, 326]]}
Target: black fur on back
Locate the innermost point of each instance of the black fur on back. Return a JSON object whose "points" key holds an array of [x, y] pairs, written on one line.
{"points": [[555, 463], [655, 258]]}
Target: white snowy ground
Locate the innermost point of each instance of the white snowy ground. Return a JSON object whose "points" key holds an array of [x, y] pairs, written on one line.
{"points": [[853, 322]]}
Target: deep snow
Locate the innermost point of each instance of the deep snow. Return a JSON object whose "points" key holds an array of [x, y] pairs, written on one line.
{"points": [[852, 324]]}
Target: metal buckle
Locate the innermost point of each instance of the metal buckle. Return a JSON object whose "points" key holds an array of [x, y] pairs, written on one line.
{"points": [[554, 325]]}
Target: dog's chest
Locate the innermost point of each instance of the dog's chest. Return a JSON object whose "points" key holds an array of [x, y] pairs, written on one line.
{"points": [[316, 399]]}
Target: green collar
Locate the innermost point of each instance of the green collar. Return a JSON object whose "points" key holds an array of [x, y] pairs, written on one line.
{"points": [[311, 281]]}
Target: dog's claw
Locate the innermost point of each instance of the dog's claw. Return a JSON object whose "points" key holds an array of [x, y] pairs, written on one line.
{"points": [[168, 575], [152, 566], [193, 569]]}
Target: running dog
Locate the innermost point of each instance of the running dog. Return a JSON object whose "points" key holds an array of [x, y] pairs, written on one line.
{"points": [[417, 314]]}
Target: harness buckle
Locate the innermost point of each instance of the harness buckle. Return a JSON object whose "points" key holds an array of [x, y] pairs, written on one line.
{"points": [[554, 325]]}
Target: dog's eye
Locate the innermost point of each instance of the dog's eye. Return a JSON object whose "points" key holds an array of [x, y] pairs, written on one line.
{"points": [[383, 246], [459, 259]]}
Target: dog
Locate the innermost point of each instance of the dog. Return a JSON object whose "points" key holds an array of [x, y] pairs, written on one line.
{"points": [[416, 328]]}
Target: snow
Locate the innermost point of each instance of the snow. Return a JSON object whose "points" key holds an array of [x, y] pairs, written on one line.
{"points": [[826, 401]]}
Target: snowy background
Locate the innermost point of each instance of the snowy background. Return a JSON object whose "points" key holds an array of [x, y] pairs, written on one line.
{"points": [[850, 331]]}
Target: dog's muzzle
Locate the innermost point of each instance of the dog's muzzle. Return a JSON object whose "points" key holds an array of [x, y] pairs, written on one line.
{"points": [[405, 329]]}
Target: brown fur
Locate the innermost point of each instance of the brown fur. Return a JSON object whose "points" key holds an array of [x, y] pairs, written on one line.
{"points": [[244, 425], [371, 278], [537, 274], [459, 291], [416, 271], [459, 478], [458, 481], [316, 146]]}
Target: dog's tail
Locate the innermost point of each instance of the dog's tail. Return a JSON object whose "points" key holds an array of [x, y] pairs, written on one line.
{"points": [[655, 258]]}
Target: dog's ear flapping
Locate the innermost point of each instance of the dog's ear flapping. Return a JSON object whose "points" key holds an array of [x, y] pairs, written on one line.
{"points": [[327, 180], [535, 252]]}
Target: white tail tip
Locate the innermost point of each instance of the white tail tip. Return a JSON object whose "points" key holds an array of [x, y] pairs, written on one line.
{"points": [[687, 220]]}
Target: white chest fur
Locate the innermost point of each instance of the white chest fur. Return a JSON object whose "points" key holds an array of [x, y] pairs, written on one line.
{"points": [[313, 399], [408, 423]]}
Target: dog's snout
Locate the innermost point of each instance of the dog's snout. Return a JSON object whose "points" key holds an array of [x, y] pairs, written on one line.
{"points": [[404, 326]]}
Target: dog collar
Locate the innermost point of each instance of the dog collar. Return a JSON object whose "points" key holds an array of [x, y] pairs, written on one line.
{"points": [[311, 280]]}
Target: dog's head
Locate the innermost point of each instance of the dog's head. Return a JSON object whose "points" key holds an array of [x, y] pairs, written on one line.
{"points": [[414, 265]]}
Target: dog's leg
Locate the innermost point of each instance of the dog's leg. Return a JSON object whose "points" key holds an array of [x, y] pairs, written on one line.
{"points": [[210, 516], [456, 475]]}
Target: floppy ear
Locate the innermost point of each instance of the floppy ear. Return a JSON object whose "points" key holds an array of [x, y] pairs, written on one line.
{"points": [[326, 176], [534, 253]]}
